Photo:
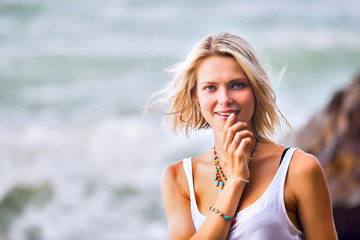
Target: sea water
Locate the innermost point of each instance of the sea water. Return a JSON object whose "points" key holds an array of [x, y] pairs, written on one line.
{"points": [[77, 160]]}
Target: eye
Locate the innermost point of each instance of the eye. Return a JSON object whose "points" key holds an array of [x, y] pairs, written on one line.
{"points": [[238, 85], [209, 88]]}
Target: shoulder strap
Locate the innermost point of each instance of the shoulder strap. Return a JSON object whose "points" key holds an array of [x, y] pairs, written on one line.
{"points": [[187, 163], [197, 218], [286, 158], [284, 167], [283, 155]]}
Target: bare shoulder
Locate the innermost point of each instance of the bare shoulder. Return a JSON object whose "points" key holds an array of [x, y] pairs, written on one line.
{"points": [[173, 177], [304, 165], [305, 172], [172, 171]]}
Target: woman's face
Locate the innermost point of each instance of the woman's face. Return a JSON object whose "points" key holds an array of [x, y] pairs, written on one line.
{"points": [[222, 89]]}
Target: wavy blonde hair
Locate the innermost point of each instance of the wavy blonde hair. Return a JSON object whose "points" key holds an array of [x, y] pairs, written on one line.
{"points": [[185, 112]]}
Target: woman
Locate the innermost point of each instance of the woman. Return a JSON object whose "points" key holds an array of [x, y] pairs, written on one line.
{"points": [[246, 186]]}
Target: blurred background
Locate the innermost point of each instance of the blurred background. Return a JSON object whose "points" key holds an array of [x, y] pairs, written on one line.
{"points": [[77, 160]]}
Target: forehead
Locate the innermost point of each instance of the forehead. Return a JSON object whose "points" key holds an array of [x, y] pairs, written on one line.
{"points": [[217, 68]]}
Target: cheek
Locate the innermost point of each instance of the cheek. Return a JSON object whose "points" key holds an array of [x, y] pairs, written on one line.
{"points": [[205, 103], [251, 103], [247, 98]]}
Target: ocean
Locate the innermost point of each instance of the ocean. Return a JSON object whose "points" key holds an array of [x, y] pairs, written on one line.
{"points": [[77, 159]]}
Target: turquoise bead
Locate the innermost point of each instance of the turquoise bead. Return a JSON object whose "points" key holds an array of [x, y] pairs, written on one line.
{"points": [[221, 183], [227, 218], [212, 209], [220, 191], [217, 184], [216, 177]]}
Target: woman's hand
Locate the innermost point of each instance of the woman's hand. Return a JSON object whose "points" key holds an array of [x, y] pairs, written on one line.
{"points": [[235, 140]]}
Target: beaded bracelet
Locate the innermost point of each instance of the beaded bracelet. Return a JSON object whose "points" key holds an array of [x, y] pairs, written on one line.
{"points": [[221, 214], [241, 179]]}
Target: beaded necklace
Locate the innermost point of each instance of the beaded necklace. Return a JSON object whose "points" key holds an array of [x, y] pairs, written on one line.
{"points": [[220, 177]]}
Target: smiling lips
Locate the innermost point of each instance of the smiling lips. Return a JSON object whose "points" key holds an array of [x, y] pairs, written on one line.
{"points": [[226, 113]]}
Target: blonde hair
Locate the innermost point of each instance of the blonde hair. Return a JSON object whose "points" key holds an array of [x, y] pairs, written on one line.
{"points": [[185, 112]]}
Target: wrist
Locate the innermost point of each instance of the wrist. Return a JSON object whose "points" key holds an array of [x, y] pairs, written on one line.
{"points": [[244, 174], [238, 179], [235, 184]]}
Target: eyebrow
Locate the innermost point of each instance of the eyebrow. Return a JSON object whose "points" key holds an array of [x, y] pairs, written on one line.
{"points": [[231, 81]]}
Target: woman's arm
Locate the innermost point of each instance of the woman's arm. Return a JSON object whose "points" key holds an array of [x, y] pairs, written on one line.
{"points": [[312, 197], [177, 203]]}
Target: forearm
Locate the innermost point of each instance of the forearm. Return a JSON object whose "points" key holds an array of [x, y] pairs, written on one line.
{"points": [[216, 226]]}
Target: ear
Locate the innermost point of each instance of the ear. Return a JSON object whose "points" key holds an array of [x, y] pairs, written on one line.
{"points": [[194, 95]]}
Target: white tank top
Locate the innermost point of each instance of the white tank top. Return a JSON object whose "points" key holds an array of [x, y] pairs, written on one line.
{"points": [[265, 219]]}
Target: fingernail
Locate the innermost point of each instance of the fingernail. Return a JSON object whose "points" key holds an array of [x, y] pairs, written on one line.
{"points": [[232, 115]]}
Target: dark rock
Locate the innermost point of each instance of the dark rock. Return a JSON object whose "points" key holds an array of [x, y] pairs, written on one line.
{"points": [[333, 136], [347, 222]]}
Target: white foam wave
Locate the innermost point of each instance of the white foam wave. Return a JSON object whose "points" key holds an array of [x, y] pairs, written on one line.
{"points": [[90, 167]]}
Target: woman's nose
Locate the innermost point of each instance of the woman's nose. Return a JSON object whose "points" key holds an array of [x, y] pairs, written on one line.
{"points": [[224, 98]]}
